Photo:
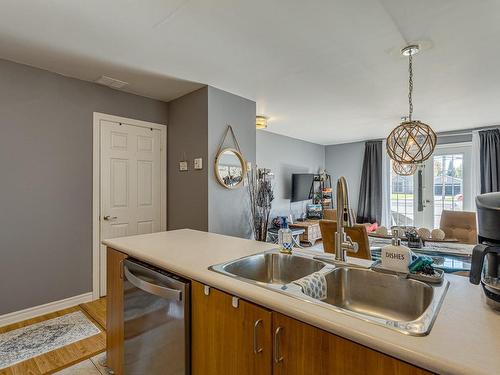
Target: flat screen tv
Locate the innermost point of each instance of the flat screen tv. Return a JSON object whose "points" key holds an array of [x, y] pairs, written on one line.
{"points": [[301, 186]]}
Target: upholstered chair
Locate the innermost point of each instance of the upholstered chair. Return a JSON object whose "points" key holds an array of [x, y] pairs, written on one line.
{"points": [[460, 225], [357, 233]]}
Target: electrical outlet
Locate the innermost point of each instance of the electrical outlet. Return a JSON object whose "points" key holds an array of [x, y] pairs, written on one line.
{"points": [[183, 166], [198, 163]]}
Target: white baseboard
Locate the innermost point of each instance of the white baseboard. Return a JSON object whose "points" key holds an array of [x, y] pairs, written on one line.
{"points": [[47, 308]]}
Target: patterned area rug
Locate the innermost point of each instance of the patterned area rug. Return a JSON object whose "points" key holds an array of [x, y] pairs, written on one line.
{"points": [[24, 343]]}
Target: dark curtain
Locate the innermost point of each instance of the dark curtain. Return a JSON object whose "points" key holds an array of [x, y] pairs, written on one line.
{"points": [[490, 160], [370, 192]]}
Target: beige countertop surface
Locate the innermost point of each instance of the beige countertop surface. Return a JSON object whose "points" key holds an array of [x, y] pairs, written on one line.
{"points": [[465, 338]]}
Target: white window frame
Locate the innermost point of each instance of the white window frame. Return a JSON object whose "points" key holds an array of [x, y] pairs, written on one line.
{"points": [[464, 148], [426, 217]]}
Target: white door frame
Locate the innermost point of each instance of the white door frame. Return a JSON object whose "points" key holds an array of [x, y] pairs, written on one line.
{"points": [[96, 185], [426, 217], [464, 148]]}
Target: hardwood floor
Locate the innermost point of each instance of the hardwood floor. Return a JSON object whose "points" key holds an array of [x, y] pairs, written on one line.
{"points": [[53, 361], [96, 310]]}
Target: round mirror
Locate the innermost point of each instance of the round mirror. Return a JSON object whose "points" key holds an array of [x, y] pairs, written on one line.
{"points": [[230, 168]]}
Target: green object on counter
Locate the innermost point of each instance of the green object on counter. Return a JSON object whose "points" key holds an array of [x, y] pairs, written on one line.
{"points": [[419, 263]]}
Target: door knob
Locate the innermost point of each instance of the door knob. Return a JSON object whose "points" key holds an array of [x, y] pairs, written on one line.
{"points": [[107, 217]]}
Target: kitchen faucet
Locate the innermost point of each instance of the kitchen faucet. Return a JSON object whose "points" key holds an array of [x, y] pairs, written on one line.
{"points": [[343, 242]]}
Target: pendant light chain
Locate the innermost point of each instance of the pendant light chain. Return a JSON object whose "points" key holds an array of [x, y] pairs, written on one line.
{"points": [[411, 142], [410, 86]]}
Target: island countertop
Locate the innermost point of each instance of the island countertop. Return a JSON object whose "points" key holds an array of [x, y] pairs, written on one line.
{"points": [[465, 338]]}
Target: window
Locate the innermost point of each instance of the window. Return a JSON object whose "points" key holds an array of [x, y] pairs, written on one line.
{"points": [[401, 199], [446, 185]]}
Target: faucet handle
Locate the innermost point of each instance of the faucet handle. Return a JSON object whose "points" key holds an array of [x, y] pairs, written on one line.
{"points": [[351, 247]]}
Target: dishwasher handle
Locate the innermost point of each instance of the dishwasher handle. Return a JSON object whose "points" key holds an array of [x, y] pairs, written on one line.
{"points": [[157, 290]]}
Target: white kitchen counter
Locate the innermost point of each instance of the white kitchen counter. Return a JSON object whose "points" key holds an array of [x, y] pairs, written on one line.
{"points": [[465, 338]]}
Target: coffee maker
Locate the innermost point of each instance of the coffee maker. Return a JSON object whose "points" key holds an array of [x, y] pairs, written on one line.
{"points": [[488, 273]]}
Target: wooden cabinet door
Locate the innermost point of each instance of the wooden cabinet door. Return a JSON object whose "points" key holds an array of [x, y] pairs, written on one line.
{"points": [[114, 310], [304, 349], [226, 339]]}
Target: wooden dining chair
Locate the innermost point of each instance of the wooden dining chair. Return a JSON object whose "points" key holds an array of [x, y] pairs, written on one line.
{"points": [[460, 225], [331, 214], [357, 233]]}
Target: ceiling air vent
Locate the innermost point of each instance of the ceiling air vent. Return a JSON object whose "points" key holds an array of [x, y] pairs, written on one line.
{"points": [[111, 82]]}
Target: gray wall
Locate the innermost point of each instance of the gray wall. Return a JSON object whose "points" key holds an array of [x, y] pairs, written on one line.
{"points": [[346, 160], [197, 122], [285, 156], [188, 138], [46, 184], [228, 209]]}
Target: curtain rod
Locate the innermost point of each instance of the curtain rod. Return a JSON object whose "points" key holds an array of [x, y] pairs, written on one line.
{"points": [[451, 133], [454, 134]]}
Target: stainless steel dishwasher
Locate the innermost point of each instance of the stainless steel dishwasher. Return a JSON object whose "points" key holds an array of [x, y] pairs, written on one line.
{"points": [[156, 315]]}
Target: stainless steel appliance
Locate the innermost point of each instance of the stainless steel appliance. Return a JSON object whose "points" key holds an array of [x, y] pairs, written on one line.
{"points": [[157, 328], [488, 218]]}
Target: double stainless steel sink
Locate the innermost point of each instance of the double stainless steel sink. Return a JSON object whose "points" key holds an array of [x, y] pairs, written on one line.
{"points": [[406, 305]]}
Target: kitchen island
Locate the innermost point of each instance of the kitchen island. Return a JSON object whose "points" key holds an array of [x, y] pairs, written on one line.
{"points": [[465, 338]]}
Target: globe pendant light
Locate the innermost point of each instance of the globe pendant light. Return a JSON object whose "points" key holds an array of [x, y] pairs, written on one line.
{"points": [[404, 169], [412, 142]]}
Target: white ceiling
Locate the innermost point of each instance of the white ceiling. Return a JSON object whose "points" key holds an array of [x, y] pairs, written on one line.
{"points": [[324, 71]]}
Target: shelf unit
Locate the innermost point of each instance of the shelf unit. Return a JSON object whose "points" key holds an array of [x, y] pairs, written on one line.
{"points": [[322, 191]]}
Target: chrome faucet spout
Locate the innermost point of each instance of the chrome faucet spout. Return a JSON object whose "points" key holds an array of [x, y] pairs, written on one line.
{"points": [[343, 243], [344, 214]]}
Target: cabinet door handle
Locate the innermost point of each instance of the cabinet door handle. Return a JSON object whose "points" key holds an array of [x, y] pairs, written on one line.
{"points": [[121, 269], [277, 357], [256, 348], [155, 289]]}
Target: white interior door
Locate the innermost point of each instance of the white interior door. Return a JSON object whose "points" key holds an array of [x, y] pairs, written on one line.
{"points": [[130, 183]]}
